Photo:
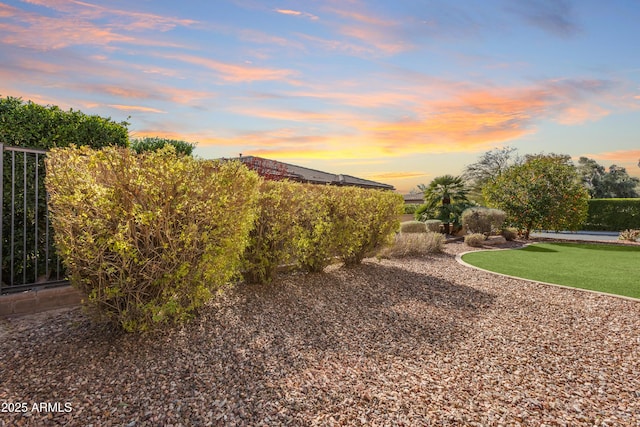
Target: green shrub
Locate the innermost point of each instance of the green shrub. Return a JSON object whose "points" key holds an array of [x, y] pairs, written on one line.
{"points": [[148, 238], [413, 227], [414, 244], [345, 222], [629, 235], [483, 220], [475, 240], [613, 214], [433, 225], [273, 234], [364, 220], [312, 246], [410, 208], [509, 233], [155, 143]]}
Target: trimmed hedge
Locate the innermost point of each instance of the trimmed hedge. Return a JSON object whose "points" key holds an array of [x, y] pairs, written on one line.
{"points": [[613, 214], [413, 227], [270, 240], [148, 238], [345, 222], [364, 220]]}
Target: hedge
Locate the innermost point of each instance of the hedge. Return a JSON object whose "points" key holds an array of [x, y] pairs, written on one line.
{"points": [[270, 240], [148, 238], [613, 214]]}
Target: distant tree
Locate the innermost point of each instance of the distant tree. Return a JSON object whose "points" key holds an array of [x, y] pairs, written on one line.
{"points": [[617, 183], [155, 143], [545, 192], [444, 198], [614, 183], [592, 175], [490, 165]]}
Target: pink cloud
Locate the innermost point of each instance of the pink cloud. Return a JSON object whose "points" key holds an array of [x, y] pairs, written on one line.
{"points": [[296, 13], [136, 108], [75, 24], [232, 72]]}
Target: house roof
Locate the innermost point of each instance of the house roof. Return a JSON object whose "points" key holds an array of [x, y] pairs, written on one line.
{"points": [[302, 174], [414, 198]]}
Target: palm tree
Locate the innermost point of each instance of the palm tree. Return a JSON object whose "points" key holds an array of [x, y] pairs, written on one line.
{"points": [[446, 194]]}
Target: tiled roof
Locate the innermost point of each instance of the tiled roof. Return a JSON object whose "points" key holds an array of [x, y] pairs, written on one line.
{"points": [[302, 174]]}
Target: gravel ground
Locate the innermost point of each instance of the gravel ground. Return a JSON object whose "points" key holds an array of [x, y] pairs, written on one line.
{"points": [[412, 342]]}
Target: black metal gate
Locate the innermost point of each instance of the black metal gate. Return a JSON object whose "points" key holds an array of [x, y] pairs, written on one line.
{"points": [[27, 253]]}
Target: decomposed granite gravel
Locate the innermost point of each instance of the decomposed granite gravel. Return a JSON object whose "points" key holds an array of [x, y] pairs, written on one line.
{"points": [[410, 342]]}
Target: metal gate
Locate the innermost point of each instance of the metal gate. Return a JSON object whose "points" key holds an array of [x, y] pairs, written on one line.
{"points": [[27, 253]]}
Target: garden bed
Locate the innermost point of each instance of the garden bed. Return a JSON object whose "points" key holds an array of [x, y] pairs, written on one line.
{"points": [[420, 341]]}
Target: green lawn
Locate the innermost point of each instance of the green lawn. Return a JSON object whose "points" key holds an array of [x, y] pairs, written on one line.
{"points": [[613, 269]]}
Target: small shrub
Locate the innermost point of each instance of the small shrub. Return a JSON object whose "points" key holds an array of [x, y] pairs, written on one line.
{"points": [[474, 240], [148, 238], [410, 208], [433, 225], [415, 244], [483, 220], [413, 227], [155, 143], [509, 233], [629, 235]]}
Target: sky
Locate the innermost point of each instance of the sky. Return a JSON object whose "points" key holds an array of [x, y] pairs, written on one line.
{"points": [[398, 91]]}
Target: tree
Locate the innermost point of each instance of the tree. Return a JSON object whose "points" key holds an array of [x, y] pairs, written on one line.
{"points": [[490, 165], [445, 198], [601, 184], [543, 192], [155, 143], [618, 184], [592, 175]]}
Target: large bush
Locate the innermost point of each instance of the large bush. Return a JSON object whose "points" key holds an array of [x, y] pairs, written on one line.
{"points": [[273, 234], [29, 125], [345, 222], [483, 220], [148, 238], [364, 220], [613, 214]]}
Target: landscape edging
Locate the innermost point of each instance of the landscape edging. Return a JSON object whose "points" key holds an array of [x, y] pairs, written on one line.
{"points": [[466, 264]]}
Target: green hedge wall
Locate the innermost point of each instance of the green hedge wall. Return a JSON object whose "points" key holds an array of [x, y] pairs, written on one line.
{"points": [[613, 214]]}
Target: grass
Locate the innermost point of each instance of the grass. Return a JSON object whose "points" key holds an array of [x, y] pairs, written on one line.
{"points": [[612, 269]]}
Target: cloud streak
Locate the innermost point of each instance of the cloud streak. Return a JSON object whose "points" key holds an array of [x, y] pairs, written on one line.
{"points": [[553, 16], [78, 23]]}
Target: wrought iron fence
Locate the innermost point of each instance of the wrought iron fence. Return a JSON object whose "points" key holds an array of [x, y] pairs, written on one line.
{"points": [[27, 253]]}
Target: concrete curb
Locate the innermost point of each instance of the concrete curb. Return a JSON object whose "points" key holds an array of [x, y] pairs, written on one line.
{"points": [[460, 261], [31, 302]]}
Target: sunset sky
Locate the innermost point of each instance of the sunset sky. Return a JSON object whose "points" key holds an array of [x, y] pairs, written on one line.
{"points": [[394, 91]]}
